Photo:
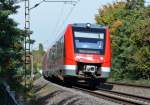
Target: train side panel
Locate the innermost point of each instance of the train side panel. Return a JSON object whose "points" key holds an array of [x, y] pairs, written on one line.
{"points": [[105, 68], [69, 62], [53, 63]]}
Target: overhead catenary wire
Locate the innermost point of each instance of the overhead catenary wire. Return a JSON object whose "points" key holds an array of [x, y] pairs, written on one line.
{"points": [[65, 20], [58, 20], [65, 1], [56, 1], [74, 2], [37, 4], [63, 24]]}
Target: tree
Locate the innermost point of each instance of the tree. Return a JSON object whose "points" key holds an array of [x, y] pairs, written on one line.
{"points": [[11, 40], [38, 57], [135, 4], [129, 26], [41, 49]]}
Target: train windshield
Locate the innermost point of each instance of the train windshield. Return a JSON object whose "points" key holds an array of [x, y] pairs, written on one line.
{"points": [[86, 42]]}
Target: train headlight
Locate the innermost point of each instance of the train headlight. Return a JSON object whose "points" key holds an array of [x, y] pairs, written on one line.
{"points": [[88, 25], [90, 68], [101, 58]]}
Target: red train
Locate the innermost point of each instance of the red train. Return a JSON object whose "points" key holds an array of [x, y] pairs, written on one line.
{"points": [[82, 54]]}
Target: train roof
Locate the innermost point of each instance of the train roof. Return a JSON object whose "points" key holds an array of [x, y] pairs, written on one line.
{"points": [[83, 25]]}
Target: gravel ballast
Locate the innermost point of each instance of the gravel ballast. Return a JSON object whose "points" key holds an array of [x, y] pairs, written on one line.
{"points": [[145, 92], [48, 93]]}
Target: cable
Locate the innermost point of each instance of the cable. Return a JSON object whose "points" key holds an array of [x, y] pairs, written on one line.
{"points": [[64, 21], [58, 21], [57, 33], [37, 4]]}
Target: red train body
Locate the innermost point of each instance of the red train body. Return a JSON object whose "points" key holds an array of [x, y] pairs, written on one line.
{"points": [[82, 53]]}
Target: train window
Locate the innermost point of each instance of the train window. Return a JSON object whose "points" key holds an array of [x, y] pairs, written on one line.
{"points": [[91, 44], [89, 35], [88, 42]]}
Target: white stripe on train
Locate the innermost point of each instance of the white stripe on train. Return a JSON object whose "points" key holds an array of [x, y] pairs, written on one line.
{"points": [[105, 69], [70, 67]]}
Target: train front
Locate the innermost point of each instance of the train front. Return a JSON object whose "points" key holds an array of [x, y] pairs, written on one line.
{"points": [[92, 52]]}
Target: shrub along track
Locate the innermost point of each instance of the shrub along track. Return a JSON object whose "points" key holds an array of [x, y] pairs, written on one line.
{"points": [[129, 85], [118, 97]]}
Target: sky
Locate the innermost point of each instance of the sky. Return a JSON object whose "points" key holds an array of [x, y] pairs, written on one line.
{"points": [[50, 19]]}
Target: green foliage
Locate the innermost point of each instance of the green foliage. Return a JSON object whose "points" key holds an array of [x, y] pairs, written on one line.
{"points": [[11, 41], [135, 4], [130, 34], [41, 49], [38, 58]]}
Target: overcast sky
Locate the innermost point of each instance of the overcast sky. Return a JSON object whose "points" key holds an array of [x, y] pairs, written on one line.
{"points": [[48, 19]]}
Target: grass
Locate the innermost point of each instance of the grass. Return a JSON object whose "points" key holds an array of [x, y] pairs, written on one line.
{"points": [[133, 82]]}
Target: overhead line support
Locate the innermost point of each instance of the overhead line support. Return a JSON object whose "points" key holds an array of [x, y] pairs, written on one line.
{"points": [[27, 62]]}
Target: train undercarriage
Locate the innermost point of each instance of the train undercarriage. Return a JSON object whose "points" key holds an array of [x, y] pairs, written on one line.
{"points": [[87, 74]]}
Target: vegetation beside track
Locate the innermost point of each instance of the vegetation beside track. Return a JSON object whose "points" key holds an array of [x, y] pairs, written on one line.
{"points": [[143, 82], [129, 24], [37, 59], [11, 51]]}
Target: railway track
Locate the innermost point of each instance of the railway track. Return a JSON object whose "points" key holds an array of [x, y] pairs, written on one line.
{"points": [[124, 84], [123, 98]]}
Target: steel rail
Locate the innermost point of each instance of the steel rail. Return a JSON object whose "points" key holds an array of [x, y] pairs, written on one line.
{"points": [[132, 96], [117, 97]]}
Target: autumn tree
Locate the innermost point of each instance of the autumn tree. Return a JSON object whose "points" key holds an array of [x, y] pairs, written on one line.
{"points": [[41, 49], [38, 57], [129, 24]]}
